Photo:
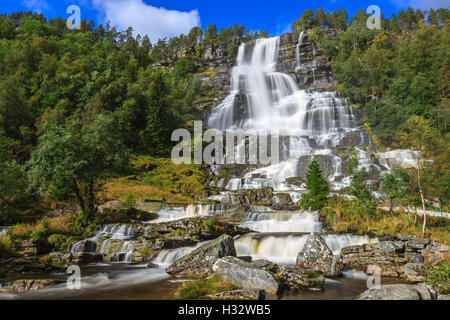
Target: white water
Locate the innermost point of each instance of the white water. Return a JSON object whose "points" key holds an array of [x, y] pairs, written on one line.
{"points": [[312, 123], [283, 249], [297, 51], [283, 222]]}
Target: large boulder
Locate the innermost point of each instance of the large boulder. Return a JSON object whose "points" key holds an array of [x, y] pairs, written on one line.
{"points": [[399, 292], [296, 279], [244, 275], [245, 294], [317, 256], [199, 263]]}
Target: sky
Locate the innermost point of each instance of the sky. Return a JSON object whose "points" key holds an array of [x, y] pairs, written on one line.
{"points": [[167, 18]]}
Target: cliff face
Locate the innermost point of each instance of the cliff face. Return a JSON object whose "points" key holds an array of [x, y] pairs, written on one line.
{"points": [[313, 73]]}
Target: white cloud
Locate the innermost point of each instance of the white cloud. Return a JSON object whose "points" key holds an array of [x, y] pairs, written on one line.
{"points": [[421, 4], [36, 5], [145, 19]]}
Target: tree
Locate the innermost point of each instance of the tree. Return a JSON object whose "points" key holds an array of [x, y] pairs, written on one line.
{"points": [[317, 186], [211, 33], [417, 134], [82, 157], [156, 131], [393, 186]]}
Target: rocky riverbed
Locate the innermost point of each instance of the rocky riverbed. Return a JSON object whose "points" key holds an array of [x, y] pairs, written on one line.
{"points": [[145, 260]]}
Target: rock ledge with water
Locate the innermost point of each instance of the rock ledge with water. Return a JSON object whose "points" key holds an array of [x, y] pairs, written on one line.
{"points": [[199, 263]]}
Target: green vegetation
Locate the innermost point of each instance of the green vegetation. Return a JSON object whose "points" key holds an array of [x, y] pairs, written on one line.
{"points": [[438, 277], [317, 186], [342, 216], [199, 288]]}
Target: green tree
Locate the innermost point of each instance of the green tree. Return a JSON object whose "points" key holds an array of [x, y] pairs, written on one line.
{"points": [[417, 134], [393, 186], [211, 33], [317, 186], [82, 157]]}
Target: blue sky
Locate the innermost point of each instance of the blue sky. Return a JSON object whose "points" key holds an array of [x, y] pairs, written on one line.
{"points": [[166, 18]]}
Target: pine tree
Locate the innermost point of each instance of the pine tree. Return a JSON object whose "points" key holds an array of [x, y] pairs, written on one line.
{"points": [[317, 186], [156, 129]]}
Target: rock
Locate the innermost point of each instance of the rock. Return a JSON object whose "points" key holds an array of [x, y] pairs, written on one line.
{"points": [[298, 279], [30, 264], [199, 263], [443, 297], [239, 273], [417, 244], [398, 292], [246, 294], [34, 248], [266, 265], [77, 258], [413, 272], [31, 285], [317, 256]]}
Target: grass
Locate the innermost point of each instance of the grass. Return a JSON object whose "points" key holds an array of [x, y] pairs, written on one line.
{"points": [[199, 288], [158, 179], [384, 223]]}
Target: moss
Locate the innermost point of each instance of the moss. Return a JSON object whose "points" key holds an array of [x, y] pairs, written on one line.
{"points": [[199, 288]]}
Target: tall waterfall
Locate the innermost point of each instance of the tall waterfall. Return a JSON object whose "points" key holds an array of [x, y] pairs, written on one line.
{"points": [[310, 123]]}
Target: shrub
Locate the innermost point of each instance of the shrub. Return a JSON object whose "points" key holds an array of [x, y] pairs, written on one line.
{"points": [[200, 288]]}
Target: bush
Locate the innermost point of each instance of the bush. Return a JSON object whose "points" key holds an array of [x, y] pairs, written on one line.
{"points": [[200, 288], [438, 277]]}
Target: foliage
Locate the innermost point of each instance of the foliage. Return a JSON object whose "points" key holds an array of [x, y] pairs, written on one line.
{"points": [[317, 186], [393, 186], [81, 157], [200, 288], [438, 277]]}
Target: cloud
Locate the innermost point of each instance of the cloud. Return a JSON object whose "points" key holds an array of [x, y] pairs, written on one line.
{"points": [[145, 19], [421, 4], [36, 5]]}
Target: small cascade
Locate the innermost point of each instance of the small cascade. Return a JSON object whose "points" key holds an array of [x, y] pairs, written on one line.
{"points": [[314, 63], [297, 51], [124, 256], [284, 248], [283, 221], [168, 256]]}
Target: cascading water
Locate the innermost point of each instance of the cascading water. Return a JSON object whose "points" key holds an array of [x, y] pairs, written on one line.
{"points": [[310, 123], [284, 248], [297, 51]]}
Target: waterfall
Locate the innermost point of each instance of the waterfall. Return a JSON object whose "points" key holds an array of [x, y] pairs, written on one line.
{"points": [[284, 248], [284, 221], [297, 51], [310, 123]]}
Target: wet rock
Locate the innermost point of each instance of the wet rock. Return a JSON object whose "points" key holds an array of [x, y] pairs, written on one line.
{"points": [[31, 285], [237, 272], [413, 272], [299, 279], [199, 263], [246, 294], [399, 292], [317, 256]]}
